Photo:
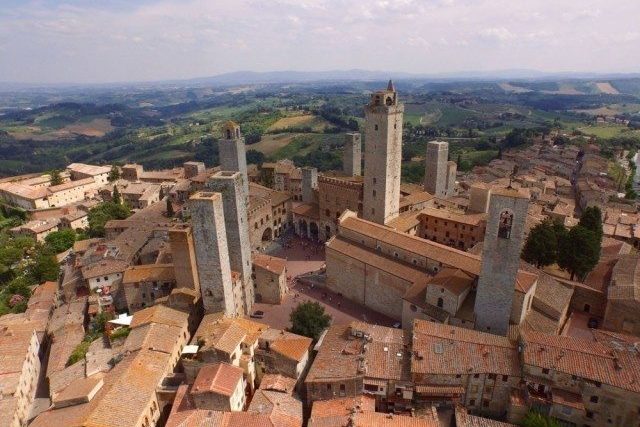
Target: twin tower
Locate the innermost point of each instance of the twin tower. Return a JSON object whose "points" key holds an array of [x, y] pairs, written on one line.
{"points": [[221, 231]]}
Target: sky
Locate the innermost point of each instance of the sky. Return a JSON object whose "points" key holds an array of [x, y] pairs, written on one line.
{"points": [[97, 41]]}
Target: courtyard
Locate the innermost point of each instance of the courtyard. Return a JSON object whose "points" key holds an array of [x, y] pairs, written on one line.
{"points": [[305, 256]]}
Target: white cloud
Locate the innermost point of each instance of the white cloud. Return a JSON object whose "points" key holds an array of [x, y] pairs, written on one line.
{"points": [[161, 39], [496, 33]]}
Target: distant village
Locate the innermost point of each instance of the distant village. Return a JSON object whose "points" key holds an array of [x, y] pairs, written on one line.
{"points": [[437, 321]]}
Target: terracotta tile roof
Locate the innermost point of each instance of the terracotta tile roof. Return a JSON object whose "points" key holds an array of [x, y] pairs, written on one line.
{"points": [[388, 361], [270, 263], [422, 247], [444, 214], [207, 418], [153, 336], [307, 210], [125, 401], [464, 419], [225, 334], [445, 350], [405, 221], [61, 379], [277, 382], [159, 314], [337, 357], [612, 359], [454, 280], [63, 343], [379, 419], [292, 348], [525, 280], [71, 184], [625, 279], [273, 403], [149, 273], [88, 169], [81, 390], [342, 406], [220, 378]]}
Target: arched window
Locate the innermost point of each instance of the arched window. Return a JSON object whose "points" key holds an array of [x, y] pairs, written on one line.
{"points": [[228, 134], [440, 302], [506, 222], [389, 100], [237, 133]]}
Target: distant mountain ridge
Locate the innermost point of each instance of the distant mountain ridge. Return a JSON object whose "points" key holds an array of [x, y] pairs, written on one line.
{"points": [[293, 77]]}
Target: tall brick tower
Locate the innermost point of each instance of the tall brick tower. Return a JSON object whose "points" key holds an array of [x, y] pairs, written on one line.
{"points": [[212, 254], [230, 185], [352, 158], [435, 173], [233, 156], [500, 260], [382, 156], [309, 184]]}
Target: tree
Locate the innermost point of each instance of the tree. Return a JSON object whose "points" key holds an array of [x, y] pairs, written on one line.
{"points": [[309, 319], [591, 219], [114, 173], [117, 199], [45, 267], [56, 178], [61, 240], [578, 251], [459, 160], [536, 419], [541, 246], [170, 212], [104, 212], [255, 157], [253, 137]]}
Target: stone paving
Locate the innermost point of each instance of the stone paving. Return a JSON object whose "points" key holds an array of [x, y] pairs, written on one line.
{"points": [[304, 256]]}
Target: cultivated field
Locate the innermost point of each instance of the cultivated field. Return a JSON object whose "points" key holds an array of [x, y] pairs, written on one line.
{"points": [[270, 143], [605, 87], [317, 124]]}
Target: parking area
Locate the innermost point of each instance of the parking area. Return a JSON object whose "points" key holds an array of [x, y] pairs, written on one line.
{"points": [[304, 256]]}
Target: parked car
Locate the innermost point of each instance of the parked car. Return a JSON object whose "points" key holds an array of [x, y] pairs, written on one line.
{"points": [[258, 314], [593, 323]]}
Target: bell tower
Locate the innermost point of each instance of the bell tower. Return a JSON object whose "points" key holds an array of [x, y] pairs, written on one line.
{"points": [[503, 240]]}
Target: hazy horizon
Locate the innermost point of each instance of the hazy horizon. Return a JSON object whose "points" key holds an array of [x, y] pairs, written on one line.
{"points": [[86, 41]]}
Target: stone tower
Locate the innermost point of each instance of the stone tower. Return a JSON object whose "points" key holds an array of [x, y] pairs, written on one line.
{"points": [[230, 185], [435, 174], [184, 257], [309, 183], [352, 159], [452, 170], [500, 260], [233, 156], [382, 156], [212, 254]]}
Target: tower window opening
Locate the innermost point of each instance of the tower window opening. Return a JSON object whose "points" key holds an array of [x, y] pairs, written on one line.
{"points": [[228, 134], [504, 227]]}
